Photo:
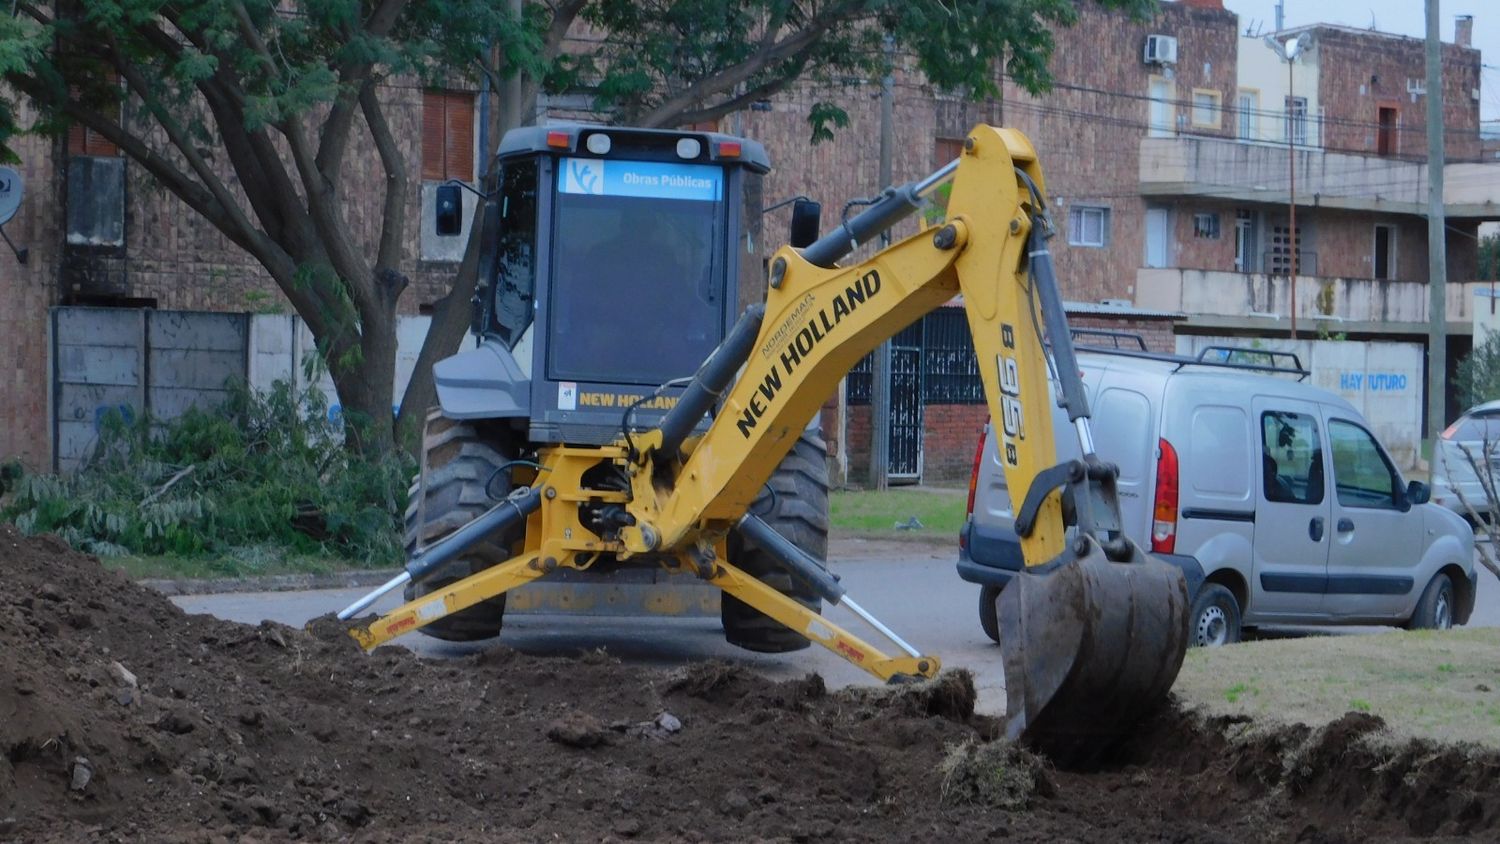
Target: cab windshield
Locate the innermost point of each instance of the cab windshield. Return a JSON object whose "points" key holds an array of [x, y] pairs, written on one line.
{"points": [[637, 270]]}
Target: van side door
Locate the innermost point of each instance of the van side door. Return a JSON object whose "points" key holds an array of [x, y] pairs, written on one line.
{"points": [[1376, 536], [1291, 511]]}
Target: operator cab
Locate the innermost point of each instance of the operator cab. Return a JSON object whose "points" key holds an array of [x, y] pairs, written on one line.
{"points": [[611, 269]]}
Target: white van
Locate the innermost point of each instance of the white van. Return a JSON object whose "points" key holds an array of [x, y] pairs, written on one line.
{"points": [[1272, 495]]}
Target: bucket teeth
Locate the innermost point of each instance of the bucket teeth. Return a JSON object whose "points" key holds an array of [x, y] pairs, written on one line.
{"points": [[1091, 647]]}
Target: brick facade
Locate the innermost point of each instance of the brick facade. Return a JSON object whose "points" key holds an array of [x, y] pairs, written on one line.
{"points": [[1089, 127], [1361, 72]]}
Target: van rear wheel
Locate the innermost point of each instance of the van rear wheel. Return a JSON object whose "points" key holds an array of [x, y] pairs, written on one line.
{"points": [[1215, 619], [989, 616]]}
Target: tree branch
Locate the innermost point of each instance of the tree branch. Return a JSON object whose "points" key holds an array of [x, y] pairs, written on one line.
{"points": [[726, 79], [353, 78], [393, 218]]}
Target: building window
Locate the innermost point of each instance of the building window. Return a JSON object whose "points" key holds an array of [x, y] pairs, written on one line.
{"points": [[1088, 226], [1249, 114], [1206, 108], [1206, 226], [1245, 237], [1161, 112], [1387, 133], [1296, 120], [447, 135], [945, 150], [1384, 257]]}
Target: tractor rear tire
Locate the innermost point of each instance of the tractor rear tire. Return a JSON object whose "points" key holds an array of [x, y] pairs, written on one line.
{"points": [[795, 504], [460, 462]]}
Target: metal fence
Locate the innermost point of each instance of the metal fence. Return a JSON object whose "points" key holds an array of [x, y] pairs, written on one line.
{"points": [[949, 370]]}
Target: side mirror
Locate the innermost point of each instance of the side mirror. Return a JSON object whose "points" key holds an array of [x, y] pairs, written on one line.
{"points": [[448, 210], [1418, 493], [806, 220]]}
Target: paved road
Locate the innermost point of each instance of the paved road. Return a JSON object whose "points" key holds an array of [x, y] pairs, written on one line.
{"points": [[913, 589]]}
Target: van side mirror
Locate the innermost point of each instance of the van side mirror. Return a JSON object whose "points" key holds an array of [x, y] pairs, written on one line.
{"points": [[806, 220], [448, 210], [1418, 493]]}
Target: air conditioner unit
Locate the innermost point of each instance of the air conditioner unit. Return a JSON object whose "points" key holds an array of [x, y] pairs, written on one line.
{"points": [[1161, 49]]}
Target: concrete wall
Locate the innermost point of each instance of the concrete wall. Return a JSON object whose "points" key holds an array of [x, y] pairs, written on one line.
{"points": [[1247, 295], [1384, 381], [163, 362], [137, 362]]}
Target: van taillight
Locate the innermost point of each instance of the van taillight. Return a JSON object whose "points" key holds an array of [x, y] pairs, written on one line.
{"points": [[1164, 513], [974, 473]]}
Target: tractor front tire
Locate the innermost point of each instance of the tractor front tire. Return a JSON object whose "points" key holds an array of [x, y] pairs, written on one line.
{"points": [[795, 504], [460, 462]]}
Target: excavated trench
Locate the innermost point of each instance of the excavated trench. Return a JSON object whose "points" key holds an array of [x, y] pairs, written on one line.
{"points": [[124, 719]]}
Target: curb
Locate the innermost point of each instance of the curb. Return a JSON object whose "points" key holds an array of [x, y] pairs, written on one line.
{"points": [[269, 583], [840, 545]]}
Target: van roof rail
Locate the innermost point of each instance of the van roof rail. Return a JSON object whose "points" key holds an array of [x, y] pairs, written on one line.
{"points": [[1115, 337], [1269, 360], [1226, 361]]}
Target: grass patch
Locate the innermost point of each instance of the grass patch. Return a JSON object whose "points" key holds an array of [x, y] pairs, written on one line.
{"points": [[996, 775], [1443, 685], [870, 514]]}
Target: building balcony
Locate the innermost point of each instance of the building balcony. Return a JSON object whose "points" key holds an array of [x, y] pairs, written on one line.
{"points": [[1255, 172], [1229, 300]]}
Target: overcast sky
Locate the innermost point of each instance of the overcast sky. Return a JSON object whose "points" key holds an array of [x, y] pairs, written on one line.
{"points": [[1405, 17]]}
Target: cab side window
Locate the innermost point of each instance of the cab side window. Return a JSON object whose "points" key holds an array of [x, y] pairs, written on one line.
{"points": [[1291, 458], [1362, 475]]}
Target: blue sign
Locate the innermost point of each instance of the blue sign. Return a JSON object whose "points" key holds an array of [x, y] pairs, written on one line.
{"points": [[651, 179]]}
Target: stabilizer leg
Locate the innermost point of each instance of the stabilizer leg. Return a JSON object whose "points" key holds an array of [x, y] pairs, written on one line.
{"points": [[460, 595], [819, 629]]}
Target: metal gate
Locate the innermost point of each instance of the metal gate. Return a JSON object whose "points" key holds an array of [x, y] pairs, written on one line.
{"points": [[904, 458]]}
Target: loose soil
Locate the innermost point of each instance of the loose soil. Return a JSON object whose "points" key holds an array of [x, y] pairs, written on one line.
{"points": [[124, 719]]}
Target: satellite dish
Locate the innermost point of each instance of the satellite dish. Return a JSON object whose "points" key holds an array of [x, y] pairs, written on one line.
{"points": [[11, 188]]}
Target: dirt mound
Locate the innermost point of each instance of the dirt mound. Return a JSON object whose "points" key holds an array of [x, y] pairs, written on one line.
{"points": [[121, 718]]}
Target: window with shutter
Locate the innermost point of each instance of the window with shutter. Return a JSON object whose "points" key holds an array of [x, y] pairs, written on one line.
{"points": [[85, 141], [447, 135]]}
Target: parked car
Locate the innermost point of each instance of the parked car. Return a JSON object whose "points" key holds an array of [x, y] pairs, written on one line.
{"points": [[1476, 433], [1272, 495]]}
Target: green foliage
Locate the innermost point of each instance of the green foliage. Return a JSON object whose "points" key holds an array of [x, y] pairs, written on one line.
{"points": [[656, 53], [1478, 376], [263, 471]]}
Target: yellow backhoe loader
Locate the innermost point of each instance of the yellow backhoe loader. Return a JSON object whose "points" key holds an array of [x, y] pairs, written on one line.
{"points": [[565, 443]]}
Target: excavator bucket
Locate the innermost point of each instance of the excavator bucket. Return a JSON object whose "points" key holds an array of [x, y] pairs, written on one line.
{"points": [[1090, 647]]}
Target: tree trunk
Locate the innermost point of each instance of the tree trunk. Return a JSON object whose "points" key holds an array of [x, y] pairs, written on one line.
{"points": [[450, 316]]}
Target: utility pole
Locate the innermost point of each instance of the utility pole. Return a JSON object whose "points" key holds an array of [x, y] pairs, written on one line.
{"points": [[1437, 253], [1291, 175], [880, 375]]}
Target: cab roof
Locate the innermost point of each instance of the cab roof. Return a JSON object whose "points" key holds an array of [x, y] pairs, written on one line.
{"points": [[531, 140]]}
